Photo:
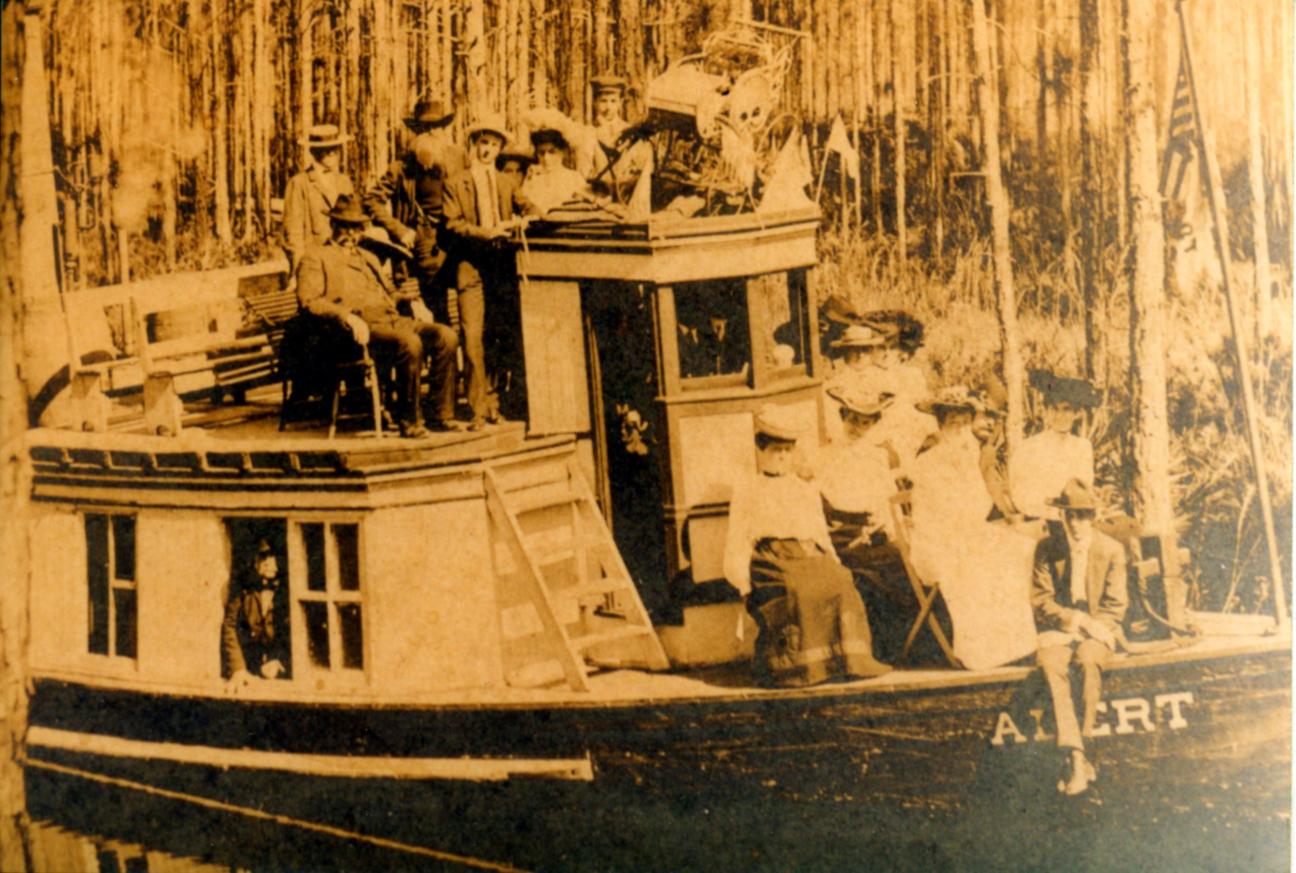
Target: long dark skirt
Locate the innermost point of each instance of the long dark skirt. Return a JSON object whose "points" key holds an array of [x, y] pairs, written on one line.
{"points": [[813, 625]]}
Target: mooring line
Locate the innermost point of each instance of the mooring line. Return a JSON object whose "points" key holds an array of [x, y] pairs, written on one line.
{"points": [[289, 821]]}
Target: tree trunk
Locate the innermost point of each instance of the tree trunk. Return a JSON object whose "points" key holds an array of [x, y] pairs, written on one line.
{"points": [[1091, 216], [220, 129], [474, 40], [875, 180], [1150, 432], [897, 102], [1256, 173], [14, 846], [997, 198]]}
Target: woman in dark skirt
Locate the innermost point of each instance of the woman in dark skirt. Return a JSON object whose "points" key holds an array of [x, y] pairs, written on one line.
{"points": [[813, 625]]}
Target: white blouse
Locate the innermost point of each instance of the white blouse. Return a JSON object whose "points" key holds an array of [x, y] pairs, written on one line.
{"points": [[781, 507], [857, 477], [1043, 465]]}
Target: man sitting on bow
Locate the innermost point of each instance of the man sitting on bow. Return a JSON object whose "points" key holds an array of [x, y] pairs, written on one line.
{"points": [[342, 283], [1078, 592]]}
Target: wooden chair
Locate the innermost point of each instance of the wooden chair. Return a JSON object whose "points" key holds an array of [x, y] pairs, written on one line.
{"points": [[925, 590], [317, 360]]}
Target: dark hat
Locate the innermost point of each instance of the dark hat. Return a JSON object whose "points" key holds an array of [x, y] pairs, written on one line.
{"points": [[837, 308], [515, 151], [321, 136], [429, 112], [778, 422], [1077, 497], [489, 122], [549, 135], [347, 210], [865, 403], [378, 241], [902, 328], [1064, 389], [608, 82], [951, 397]]}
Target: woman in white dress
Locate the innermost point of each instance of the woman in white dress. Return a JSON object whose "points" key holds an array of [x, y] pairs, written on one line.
{"points": [[983, 568], [778, 554], [550, 183], [1045, 462]]}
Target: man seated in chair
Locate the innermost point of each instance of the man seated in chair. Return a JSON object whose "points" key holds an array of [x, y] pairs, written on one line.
{"points": [[1078, 591], [341, 283]]}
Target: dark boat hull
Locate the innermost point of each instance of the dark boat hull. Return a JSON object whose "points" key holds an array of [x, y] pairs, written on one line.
{"points": [[738, 782]]}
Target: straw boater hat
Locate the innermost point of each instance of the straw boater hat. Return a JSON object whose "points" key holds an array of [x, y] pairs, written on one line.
{"points": [[346, 209], [951, 397], [428, 113], [1076, 497], [860, 336], [323, 136], [866, 403], [608, 82], [378, 241], [489, 122], [778, 422], [1064, 389]]}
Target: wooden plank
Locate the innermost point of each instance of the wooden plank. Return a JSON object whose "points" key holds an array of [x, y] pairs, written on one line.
{"points": [[553, 343], [346, 766]]}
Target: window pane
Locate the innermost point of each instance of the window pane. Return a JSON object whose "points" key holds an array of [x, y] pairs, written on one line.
{"points": [[347, 538], [313, 540], [317, 633], [785, 320], [352, 637], [123, 534], [124, 637], [96, 532], [714, 337]]}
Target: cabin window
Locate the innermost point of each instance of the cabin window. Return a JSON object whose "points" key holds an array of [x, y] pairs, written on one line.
{"points": [[780, 327], [713, 334], [111, 584], [330, 605]]}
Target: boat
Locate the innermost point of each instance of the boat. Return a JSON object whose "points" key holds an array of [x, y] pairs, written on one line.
{"points": [[502, 622]]}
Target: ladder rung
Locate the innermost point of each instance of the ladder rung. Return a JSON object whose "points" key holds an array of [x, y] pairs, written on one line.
{"points": [[627, 632], [519, 504], [600, 587], [545, 552]]}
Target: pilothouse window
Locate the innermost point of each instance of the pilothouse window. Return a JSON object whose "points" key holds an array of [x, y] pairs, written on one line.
{"points": [[111, 584], [330, 606]]}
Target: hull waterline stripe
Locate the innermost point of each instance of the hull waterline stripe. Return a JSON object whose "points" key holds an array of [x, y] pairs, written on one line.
{"points": [[347, 766], [288, 821]]}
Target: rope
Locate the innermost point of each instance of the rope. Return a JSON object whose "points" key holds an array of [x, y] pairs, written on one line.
{"points": [[284, 820]]}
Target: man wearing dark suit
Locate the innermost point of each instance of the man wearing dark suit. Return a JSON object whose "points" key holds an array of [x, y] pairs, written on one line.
{"points": [[482, 207], [254, 634], [1078, 592], [408, 201], [341, 283]]}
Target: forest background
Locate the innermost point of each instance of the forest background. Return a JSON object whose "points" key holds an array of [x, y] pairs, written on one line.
{"points": [[176, 126]]}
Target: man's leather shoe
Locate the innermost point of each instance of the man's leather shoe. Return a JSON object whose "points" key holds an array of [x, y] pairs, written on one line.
{"points": [[441, 425], [412, 430]]}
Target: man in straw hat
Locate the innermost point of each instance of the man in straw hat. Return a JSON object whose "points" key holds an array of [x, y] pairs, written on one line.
{"points": [[778, 554], [1078, 592], [482, 209], [312, 192], [344, 285], [408, 201]]}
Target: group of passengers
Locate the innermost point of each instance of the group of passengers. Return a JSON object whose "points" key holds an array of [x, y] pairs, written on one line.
{"points": [[916, 486], [429, 244]]}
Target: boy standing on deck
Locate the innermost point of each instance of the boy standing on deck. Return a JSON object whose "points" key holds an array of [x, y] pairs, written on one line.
{"points": [[1078, 592]]}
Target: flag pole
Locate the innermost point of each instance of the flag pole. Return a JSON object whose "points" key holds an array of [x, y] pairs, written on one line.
{"points": [[1212, 174]]}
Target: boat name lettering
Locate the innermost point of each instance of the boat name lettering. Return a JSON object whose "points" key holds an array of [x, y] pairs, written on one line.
{"points": [[1132, 715]]}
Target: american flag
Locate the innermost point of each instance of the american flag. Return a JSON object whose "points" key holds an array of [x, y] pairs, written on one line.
{"points": [[1181, 145]]}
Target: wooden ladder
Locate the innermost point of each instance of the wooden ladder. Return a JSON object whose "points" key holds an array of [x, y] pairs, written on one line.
{"points": [[567, 604]]}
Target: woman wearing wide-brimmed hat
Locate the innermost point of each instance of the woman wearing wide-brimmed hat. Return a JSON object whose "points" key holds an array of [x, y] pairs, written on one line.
{"points": [[311, 193], [983, 569], [778, 554], [864, 365], [1048, 460]]}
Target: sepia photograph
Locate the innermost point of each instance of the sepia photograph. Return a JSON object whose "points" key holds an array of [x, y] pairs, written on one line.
{"points": [[646, 436]]}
